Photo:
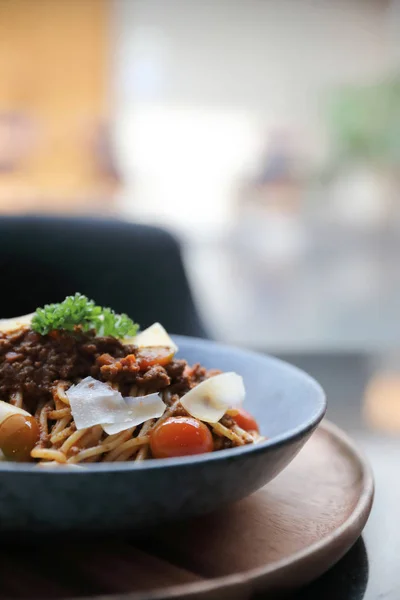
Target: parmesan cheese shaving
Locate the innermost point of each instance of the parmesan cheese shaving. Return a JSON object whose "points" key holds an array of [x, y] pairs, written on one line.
{"points": [[141, 409], [6, 410], [15, 323], [155, 335], [94, 403], [210, 400]]}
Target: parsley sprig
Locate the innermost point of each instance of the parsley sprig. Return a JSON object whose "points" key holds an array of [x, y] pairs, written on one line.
{"points": [[79, 311]]}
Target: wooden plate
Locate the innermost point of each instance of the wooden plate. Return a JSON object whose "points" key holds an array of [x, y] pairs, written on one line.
{"points": [[283, 536]]}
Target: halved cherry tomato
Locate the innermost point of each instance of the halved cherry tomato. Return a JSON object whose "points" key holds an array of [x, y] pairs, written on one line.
{"points": [[244, 419], [180, 436], [158, 355], [18, 435]]}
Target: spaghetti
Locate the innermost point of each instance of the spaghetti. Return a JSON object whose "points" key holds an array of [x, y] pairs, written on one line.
{"points": [[60, 442]]}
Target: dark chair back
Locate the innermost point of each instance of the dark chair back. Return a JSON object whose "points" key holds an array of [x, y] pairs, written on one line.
{"points": [[133, 268]]}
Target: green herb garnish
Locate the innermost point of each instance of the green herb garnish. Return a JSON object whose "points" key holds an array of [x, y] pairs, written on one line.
{"points": [[79, 311]]}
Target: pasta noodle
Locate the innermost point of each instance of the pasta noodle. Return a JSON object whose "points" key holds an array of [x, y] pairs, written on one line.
{"points": [[67, 445]]}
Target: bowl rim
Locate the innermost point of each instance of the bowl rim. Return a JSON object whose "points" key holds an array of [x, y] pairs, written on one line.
{"points": [[291, 435]]}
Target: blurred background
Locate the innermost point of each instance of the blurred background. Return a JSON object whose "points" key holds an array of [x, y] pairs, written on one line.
{"points": [[264, 134]]}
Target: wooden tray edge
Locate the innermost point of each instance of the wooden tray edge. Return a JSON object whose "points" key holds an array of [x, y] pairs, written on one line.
{"points": [[242, 585]]}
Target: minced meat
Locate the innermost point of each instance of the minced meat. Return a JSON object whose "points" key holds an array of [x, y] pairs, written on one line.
{"points": [[31, 363]]}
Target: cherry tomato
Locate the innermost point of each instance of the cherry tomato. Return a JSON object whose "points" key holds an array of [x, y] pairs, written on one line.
{"points": [[159, 355], [180, 436], [18, 436], [244, 419]]}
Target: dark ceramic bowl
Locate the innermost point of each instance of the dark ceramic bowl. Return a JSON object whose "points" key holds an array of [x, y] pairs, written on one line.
{"points": [[287, 403]]}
